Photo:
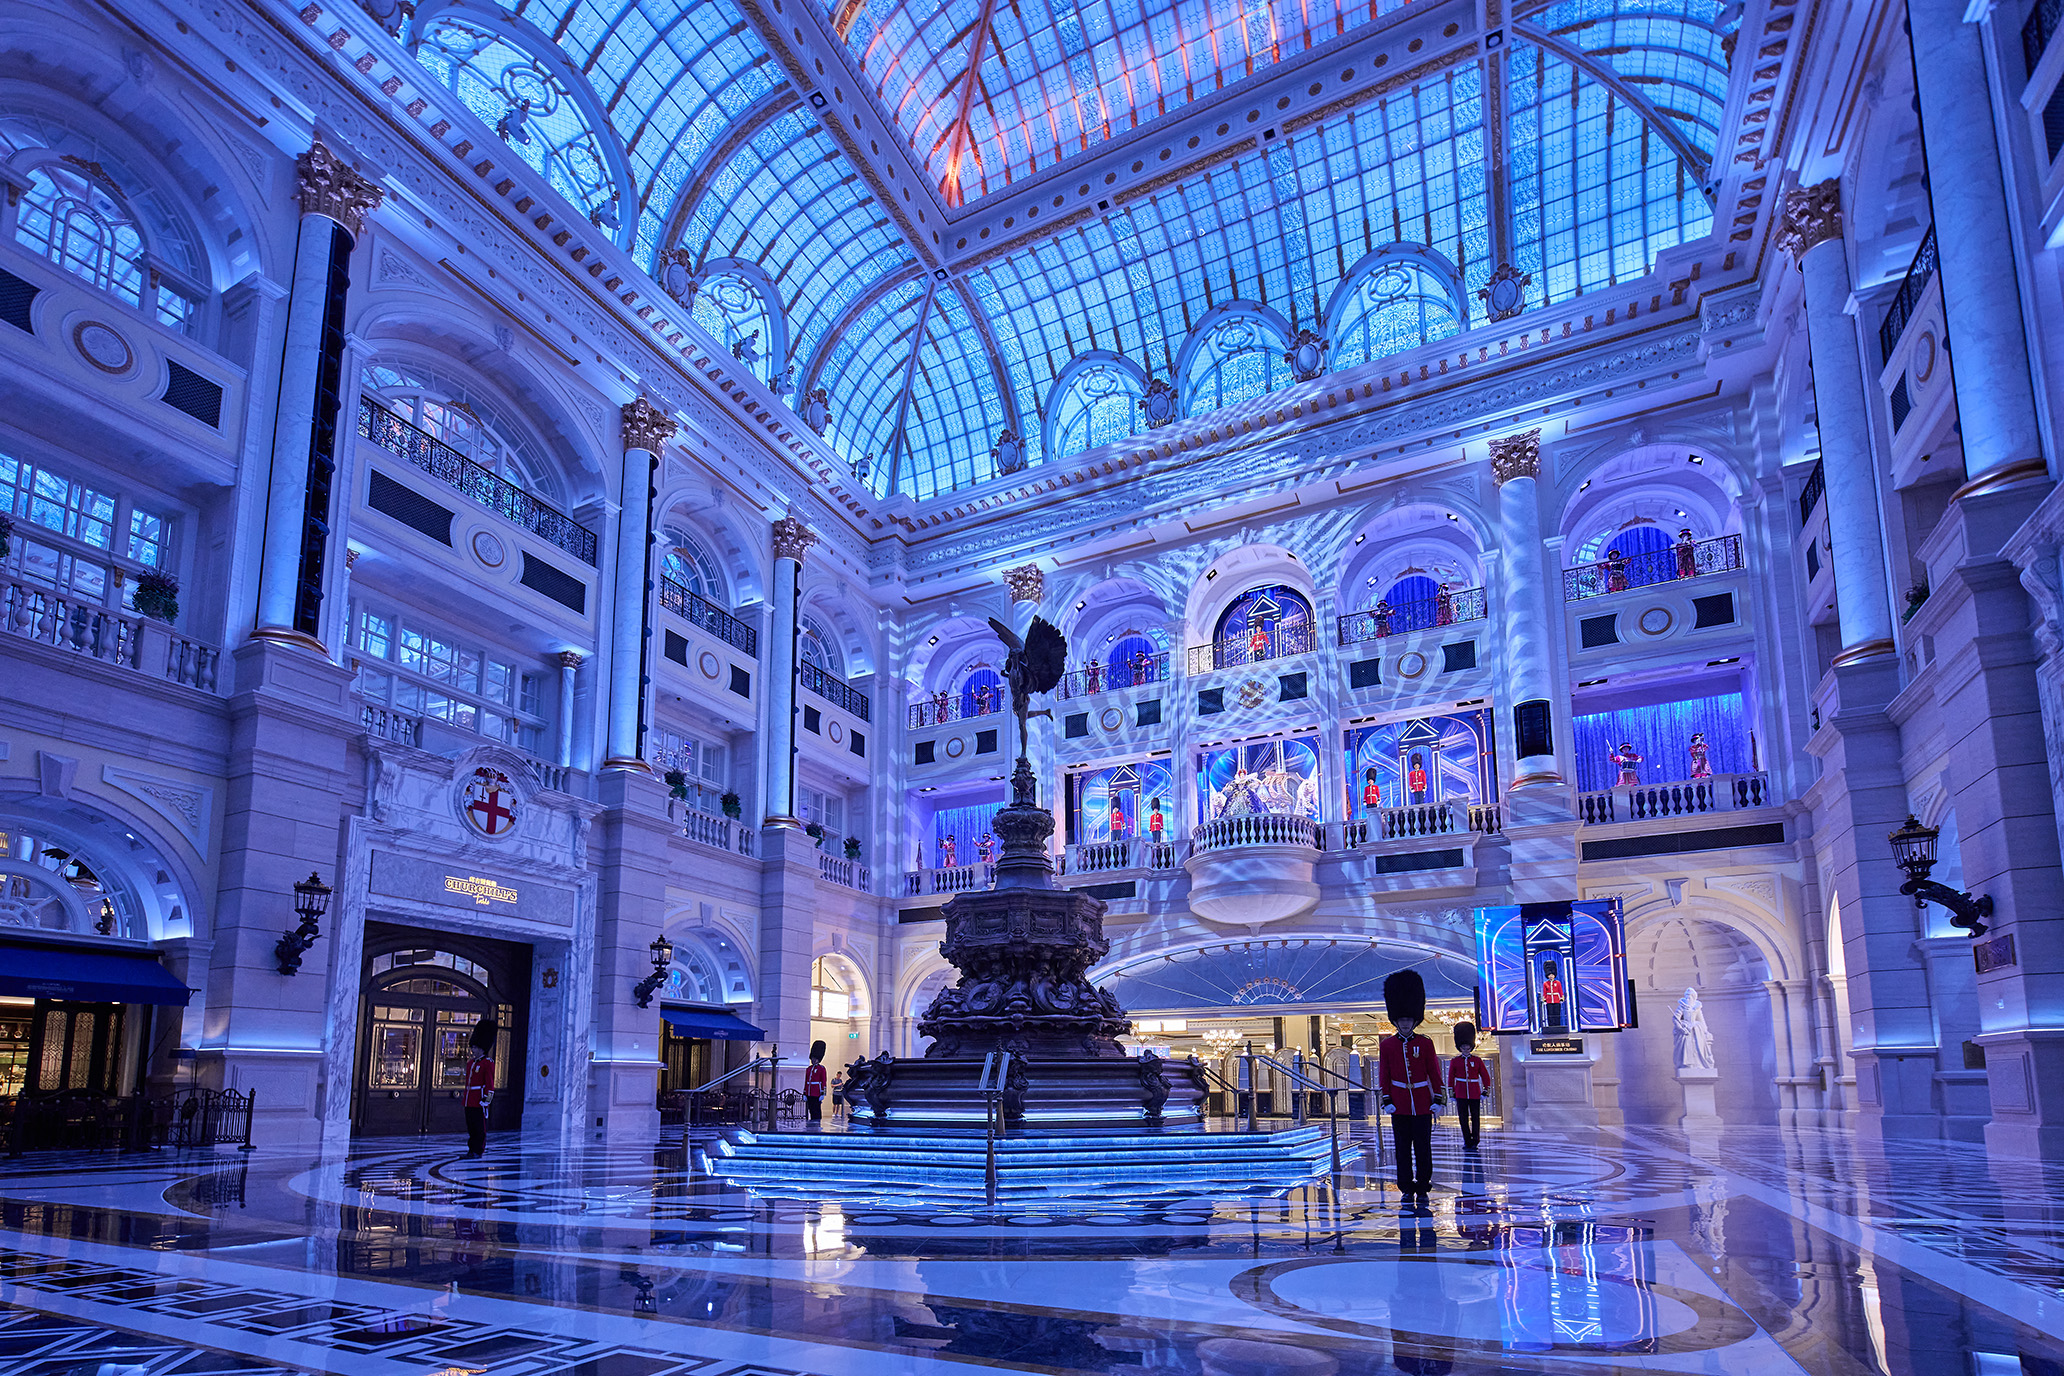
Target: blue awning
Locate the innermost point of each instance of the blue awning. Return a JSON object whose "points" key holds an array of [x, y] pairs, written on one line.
{"points": [[86, 976], [705, 1022]]}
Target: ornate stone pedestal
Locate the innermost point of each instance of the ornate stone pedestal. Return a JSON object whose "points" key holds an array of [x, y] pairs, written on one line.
{"points": [[1698, 1099]]}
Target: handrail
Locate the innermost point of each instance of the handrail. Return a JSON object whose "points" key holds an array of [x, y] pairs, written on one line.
{"points": [[942, 707], [490, 489], [832, 689], [1900, 310], [1096, 677], [1279, 643], [700, 612], [1622, 573], [1450, 607], [756, 1063]]}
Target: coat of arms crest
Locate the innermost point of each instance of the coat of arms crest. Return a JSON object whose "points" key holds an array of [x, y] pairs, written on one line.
{"points": [[490, 803]]}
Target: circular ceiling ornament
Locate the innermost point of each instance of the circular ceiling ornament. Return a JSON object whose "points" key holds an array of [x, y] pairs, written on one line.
{"points": [[100, 345]]}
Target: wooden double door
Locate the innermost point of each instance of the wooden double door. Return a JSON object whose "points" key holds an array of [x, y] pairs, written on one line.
{"points": [[423, 995]]}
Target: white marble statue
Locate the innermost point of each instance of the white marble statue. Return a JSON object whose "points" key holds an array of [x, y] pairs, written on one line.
{"points": [[1694, 1038]]}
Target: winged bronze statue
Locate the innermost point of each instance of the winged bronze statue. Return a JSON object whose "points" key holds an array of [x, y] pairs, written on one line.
{"points": [[1035, 665]]}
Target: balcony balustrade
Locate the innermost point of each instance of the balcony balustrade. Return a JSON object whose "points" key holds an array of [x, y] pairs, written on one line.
{"points": [[833, 689], [952, 879], [1125, 853], [849, 873], [1900, 310], [1280, 643], [1811, 494], [1429, 819], [491, 490], [1692, 559], [1454, 607], [1094, 677], [390, 725], [719, 833], [84, 626], [1255, 829], [1684, 798], [706, 615]]}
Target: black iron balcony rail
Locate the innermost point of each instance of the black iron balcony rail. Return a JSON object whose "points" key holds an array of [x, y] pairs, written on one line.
{"points": [[833, 689], [1450, 608], [491, 490], [706, 615], [1692, 559], [1908, 298], [1132, 672], [1810, 495], [1233, 651]]}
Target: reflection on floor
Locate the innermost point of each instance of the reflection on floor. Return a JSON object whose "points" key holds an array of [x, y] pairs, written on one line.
{"points": [[1626, 1250]]}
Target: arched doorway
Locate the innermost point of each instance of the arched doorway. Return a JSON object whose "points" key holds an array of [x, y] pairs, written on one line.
{"points": [[1666, 956], [838, 1010], [422, 996]]}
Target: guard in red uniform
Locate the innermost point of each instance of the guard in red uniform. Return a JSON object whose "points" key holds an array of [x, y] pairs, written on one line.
{"points": [[1469, 1079], [1553, 1016], [1155, 821], [815, 1079], [480, 1078], [1409, 1077]]}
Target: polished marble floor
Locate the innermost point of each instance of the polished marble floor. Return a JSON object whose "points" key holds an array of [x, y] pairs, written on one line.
{"points": [[1623, 1250]]}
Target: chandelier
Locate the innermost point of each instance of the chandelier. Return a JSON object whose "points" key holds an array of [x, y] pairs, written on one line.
{"points": [[1221, 1040]]}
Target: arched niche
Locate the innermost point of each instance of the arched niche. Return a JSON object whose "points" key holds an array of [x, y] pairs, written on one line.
{"points": [[70, 866], [1249, 565], [1698, 946], [1667, 485], [1422, 539], [1395, 299]]}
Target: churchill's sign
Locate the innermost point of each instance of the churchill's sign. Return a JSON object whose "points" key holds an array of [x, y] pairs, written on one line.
{"points": [[434, 882], [483, 892]]}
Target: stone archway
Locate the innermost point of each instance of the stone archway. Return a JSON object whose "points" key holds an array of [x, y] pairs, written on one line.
{"points": [[1676, 950]]}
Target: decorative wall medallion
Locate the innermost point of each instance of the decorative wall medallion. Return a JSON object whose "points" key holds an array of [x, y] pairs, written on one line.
{"points": [[487, 548], [1110, 719], [1655, 621], [489, 802], [99, 345], [1924, 357], [955, 747], [838, 733], [710, 665], [550, 978], [1411, 664], [1252, 693]]}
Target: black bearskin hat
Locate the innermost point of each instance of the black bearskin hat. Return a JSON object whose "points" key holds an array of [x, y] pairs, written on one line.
{"points": [[1404, 997], [1465, 1036], [816, 1051], [484, 1033]]}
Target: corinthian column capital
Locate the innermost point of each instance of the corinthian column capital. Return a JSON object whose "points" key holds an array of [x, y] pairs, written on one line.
{"points": [[330, 186], [792, 539], [1026, 583], [1811, 216], [646, 427], [1516, 456]]}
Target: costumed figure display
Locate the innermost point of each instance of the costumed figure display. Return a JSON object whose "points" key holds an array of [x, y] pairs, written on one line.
{"points": [[1615, 571], [1372, 792], [1416, 779], [1409, 1077], [1257, 645], [1469, 1079], [1687, 554], [815, 1080], [1701, 756], [949, 852], [986, 847], [1554, 1018], [1382, 615], [1624, 759], [480, 1078], [1156, 822], [1444, 606]]}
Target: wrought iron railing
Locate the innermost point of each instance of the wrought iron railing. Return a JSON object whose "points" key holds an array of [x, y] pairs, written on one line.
{"points": [[940, 708], [833, 689], [1449, 608], [706, 615], [1692, 559], [491, 490], [1907, 299], [2038, 29], [1257, 648], [1810, 495], [1097, 677]]}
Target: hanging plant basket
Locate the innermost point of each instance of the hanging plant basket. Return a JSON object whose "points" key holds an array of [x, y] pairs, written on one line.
{"points": [[732, 808], [852, 848], [157, 596]]}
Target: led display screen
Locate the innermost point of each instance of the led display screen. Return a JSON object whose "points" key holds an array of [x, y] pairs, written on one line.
{"points": [[1552, 967], [1279, 776]]}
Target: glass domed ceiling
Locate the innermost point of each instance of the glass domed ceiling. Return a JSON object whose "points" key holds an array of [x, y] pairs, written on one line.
{"points": [[719, 172]]}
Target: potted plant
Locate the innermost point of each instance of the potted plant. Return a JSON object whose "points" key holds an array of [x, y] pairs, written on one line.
{"points": [[157, 595], [852, 848], [1915, 596], [677, 783], [732, 807], [6, 534], [815, 831]]}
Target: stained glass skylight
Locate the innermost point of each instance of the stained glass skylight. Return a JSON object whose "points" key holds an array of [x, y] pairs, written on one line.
{"points": [[989, 91], [1667, 52]]}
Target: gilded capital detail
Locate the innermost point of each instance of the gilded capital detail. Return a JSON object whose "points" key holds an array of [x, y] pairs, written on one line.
{"points": [[571, 659], [329, 186], [645, 426], [1516, 456], [1026, 583], [1811, 216], [792, 539]]}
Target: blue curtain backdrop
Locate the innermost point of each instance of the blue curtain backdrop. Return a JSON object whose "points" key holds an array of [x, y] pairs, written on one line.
{"points": [[1659, 734], [966, 825]]}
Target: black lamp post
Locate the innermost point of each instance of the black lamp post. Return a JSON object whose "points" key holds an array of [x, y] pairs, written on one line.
{"points": [[311, 901], [662, 958], [1913, 846]]}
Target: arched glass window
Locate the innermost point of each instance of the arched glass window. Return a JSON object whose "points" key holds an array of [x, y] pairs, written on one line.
{"points": [[47, 885], [817, 645], [1099, 405], [1264, 623], [1239, 358], [530, 108], [686, 562], [735, 312], [72, 215], [1398, 304], [447, 410]]}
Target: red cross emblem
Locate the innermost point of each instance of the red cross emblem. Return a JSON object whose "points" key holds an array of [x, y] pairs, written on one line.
{"points": [[490, 802]]}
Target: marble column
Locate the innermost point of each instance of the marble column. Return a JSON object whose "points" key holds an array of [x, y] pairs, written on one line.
{"points": [[569, 669], [792, 540], [1811, 231], [645, 429], [334, 200], [1974, 247], [1515, 465]]}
